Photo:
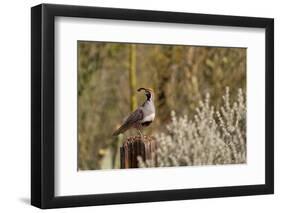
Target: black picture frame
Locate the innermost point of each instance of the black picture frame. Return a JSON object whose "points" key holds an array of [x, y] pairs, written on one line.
{"points": [[43, 102]]}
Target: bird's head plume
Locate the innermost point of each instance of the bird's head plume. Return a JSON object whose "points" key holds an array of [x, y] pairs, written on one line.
{"points": [[148, 92]]}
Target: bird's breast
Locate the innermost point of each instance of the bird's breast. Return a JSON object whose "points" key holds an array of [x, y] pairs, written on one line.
{"points": [[148, 118]]}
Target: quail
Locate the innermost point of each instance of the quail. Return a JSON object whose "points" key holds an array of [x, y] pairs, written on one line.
{"points": [[143, 116]]}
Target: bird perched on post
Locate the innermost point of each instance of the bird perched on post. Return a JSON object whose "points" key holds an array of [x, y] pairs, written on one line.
{"points": [[142, 116]]}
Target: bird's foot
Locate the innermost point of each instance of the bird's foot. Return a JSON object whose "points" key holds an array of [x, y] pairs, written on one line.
{"points": [[141, 135]]}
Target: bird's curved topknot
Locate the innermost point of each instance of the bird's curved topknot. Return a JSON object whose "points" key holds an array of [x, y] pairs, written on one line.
{"points": [[145, 89]]}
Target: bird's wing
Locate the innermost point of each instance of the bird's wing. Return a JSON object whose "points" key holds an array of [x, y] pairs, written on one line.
{"points": [[135, 117]]}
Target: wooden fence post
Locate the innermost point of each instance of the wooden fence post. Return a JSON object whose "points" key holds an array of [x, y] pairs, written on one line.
{"points": [[136, 146]]}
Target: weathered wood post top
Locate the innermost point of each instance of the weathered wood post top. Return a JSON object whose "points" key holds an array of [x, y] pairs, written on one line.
{"points": [[137, 146]]}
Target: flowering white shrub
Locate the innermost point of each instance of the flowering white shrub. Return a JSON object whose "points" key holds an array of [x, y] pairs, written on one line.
{"points": [[212, 137]]}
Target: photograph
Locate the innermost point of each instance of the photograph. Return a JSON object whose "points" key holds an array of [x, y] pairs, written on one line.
{"points": [[139, 105], [160, 105]]}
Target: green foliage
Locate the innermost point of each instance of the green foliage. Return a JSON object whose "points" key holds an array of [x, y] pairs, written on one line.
{"points": [[180, 76], [132, 77]]}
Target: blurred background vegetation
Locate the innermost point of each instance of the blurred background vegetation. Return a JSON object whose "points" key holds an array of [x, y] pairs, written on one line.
{"points": [[110, 73]]}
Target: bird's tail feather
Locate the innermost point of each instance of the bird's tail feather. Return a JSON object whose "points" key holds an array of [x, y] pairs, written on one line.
{"points": [[120, 130]]}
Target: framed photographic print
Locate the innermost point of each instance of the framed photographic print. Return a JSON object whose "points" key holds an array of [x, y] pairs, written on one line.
{"points": [[139, 106]]}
